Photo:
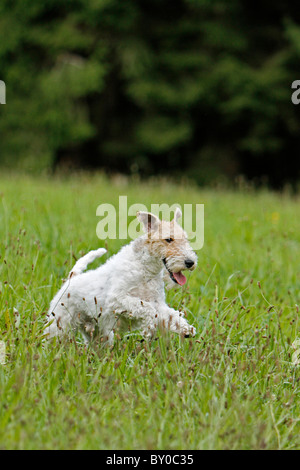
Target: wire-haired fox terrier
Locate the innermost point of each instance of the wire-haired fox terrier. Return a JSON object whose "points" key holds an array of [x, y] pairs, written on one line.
{"points": [[127, 292]]}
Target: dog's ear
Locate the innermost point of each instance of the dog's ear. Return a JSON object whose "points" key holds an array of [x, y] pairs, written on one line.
{"points": [[177, 214], [150, 221]]}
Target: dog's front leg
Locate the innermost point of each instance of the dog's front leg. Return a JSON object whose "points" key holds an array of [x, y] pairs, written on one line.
{"points": [[173, 320], [139, 312]]}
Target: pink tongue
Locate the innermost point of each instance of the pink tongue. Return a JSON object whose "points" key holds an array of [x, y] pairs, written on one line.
{"points": [[180, 278]]}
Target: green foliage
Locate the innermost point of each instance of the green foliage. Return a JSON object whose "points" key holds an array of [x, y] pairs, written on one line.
{"points": [[189, 86]]}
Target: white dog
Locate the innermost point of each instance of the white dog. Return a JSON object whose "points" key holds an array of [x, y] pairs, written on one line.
{"points": [[127, 292]]}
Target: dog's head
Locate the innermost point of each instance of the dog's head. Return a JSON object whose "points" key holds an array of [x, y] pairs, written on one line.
{"points": [[168, 242]]}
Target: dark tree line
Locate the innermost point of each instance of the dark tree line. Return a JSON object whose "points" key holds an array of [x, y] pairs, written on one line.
{"points": [[194, 87]]}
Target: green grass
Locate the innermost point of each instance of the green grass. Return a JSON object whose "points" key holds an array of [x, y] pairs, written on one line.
{"points": [[232, 387]]}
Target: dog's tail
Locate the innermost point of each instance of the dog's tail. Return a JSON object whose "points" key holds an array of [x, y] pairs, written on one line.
{"points": [[83, 262]]}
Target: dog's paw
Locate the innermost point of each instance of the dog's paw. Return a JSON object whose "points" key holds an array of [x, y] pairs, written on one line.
{"points": [[191, 332]]}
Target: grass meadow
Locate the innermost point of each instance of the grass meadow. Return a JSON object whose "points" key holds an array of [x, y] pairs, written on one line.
{"points": [[235, 386]]}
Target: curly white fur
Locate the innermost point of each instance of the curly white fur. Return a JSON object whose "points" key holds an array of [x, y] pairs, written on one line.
{"points": [[128, 290]]}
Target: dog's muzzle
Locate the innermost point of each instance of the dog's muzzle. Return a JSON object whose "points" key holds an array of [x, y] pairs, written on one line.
{"points": [[178, 277]]}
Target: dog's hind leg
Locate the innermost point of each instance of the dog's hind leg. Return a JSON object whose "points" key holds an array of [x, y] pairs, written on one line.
{"points": [[83, 262], [54, 327], [60, 318], [59, 322]]}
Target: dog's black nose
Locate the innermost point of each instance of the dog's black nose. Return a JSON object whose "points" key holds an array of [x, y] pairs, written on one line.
{"points": [[189, 263]]}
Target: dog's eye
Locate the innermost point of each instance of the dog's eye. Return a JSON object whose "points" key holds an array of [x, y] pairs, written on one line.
{"points": [[169, 240]]}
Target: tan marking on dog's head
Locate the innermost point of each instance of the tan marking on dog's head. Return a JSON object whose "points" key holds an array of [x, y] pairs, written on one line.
{"points": [[168, 241], [161, 231]]}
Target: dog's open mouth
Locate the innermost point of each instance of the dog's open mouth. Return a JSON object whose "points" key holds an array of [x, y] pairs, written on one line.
{"points": [[179, 278]]}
